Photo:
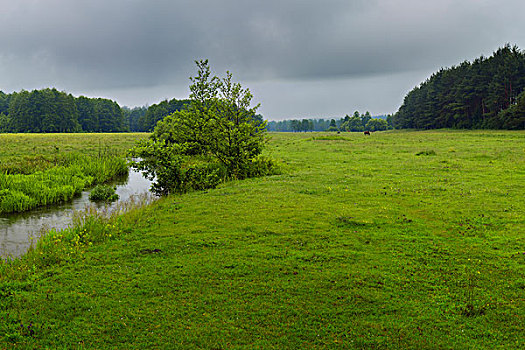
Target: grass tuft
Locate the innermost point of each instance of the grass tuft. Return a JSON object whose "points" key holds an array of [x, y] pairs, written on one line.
{"points": [[426, 153]]}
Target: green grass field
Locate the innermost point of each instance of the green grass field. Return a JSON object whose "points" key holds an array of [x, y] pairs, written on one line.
{"points": [[26, 153], [398, 240]]}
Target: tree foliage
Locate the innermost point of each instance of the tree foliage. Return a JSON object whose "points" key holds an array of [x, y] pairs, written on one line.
{"points": [[50, 110], [357, 122], [297, 125], [46, 110], [133, 117], [514, 116], [363, 122], [157, 112], [216, 136], [470, 95], [332, 126], [376, 124]]}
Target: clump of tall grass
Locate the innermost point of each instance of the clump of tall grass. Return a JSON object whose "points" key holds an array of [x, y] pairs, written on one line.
{"points": [[103, 193], [430, 152], [20, 192]]}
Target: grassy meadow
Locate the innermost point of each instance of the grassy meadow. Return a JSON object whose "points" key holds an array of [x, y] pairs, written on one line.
{"points": [[43, 169], [27, 153], [398, 240]]}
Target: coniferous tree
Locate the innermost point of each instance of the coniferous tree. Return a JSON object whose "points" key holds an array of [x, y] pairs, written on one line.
{"points": [[470, 95]]}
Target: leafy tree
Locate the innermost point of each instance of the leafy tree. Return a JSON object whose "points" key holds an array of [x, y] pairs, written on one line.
{"points": [[110, 116], [376, 124], [50, 110], [4, 102], [216, 136], [353, 123], [87, 117], [333, 126], [290, 125], [22, 119], [46, 110], [389, 121], [159, 111], [295, 125], [133, 117], [307, 125], [5, 123], [365, 118]]}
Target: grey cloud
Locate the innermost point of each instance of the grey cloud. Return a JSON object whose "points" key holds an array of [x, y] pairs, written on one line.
{"points": [[120, 46]]}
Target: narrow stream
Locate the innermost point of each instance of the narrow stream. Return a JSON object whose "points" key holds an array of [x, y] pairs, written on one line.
{"points": [[17, 230]]}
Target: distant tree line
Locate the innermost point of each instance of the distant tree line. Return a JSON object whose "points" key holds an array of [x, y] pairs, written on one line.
{"points": [[296, 125], [134, 116], [50, 110], [357, 122], [159, 111], [364, 122], [487, 93]]}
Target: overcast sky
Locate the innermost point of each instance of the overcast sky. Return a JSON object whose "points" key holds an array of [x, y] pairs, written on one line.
{"points": [[299, 58]]}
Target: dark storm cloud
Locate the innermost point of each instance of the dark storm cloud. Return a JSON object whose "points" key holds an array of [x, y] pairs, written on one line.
{"points": [[127, 47]]}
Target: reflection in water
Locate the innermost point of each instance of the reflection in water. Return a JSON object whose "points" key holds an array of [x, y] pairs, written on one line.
{"points": [[17, 230]]}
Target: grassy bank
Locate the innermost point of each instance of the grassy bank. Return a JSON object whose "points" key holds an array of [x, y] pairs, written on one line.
{"points": [[43, 169], [400, 240], [19, 192]]}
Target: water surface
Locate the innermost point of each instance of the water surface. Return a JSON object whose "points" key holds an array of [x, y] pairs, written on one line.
{"points": [[17, 230]]}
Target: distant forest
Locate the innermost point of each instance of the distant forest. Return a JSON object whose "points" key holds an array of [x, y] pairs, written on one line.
{"points": [[158, 111], [50, 110], [357, 122], [487, 93]]}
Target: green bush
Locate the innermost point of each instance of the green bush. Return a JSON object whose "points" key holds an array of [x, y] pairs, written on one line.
{"points": [[217, 137], [103, 193], [262, 166], [203, 176]]}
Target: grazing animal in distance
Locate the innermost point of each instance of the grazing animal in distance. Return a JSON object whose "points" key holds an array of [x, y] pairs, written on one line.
{"points": [[367, 133]]}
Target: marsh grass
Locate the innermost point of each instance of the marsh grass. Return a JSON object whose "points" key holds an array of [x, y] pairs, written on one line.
{"points": [[44, 169], [103, 193], [20, 192], [356, 245]]}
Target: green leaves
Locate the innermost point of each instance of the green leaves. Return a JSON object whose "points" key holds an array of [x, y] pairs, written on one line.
{"points": [[103, 193], [216, 137]]}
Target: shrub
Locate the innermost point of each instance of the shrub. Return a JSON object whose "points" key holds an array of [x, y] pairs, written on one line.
{"points": [[103, 193], [217, 136]]}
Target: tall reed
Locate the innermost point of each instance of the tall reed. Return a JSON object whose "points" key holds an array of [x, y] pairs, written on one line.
{"points": [[19, 192]]}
